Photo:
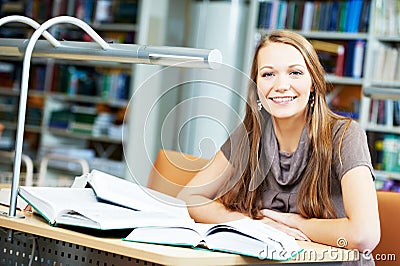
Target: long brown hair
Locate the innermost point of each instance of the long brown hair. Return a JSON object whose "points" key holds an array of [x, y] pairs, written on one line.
{"points": [[313, 199]]}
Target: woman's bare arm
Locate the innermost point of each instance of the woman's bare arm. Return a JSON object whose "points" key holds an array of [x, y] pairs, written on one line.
{"points": [[200, 193], [360, 229]]}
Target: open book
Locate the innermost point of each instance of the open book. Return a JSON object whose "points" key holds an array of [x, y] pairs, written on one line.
{"points": [[246, 237], [105, 202], [80, 207], [131, 195]]}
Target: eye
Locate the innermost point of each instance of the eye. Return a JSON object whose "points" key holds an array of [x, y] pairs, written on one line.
{"points": [[296, 73], [267, 74]]}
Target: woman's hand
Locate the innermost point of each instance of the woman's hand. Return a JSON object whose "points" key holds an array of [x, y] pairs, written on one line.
{"points": [[285, 222]]}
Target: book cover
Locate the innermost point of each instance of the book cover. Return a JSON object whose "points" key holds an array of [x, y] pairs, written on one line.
{"points": [[379, 63], [343, 8], [389, 111], [316, 15], [390, 64], [339, 71], [364, 17], [349, 62], [264, 15], [390, 153], [353, 17], [282, 13], [274, 14], [334, 15], [358, 59], [307, 16], [290, 18]]}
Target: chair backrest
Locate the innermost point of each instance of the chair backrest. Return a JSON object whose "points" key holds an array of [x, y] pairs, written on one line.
{"points": [[44, 164], [389, 204], [9, 155], [172, 170]]}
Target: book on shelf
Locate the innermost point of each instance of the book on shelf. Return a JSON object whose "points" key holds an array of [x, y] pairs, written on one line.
{"points": [[331, 55], [384, 112], [101, 201], [245, 237], [391, 153], [355, 51], [353, 17], [387, 18], [307, 16], [8, 74], [364, 16], [387, 63], [341, 16], [341, 58], [375, 145], [390, 67]]}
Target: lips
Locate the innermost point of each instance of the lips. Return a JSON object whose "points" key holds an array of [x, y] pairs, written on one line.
{"points": [[285, 99]]}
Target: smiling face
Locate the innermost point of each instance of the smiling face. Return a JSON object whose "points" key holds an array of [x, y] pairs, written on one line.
{"points": [[283, 80]]}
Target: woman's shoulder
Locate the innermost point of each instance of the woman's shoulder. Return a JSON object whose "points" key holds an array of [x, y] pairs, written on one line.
{"points": [[351, 128]]}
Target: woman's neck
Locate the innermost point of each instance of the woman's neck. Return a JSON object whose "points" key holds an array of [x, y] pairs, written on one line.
{"points": [[288, 133]]}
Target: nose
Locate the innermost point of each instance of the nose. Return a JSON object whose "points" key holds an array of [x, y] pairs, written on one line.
{"points": [[282, 83]]}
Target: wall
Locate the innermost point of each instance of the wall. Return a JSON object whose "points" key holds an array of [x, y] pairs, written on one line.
{"points": [[210, 111], [167, 109]]}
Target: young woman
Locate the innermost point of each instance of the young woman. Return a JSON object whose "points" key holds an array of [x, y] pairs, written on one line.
{"points": [[292, 163]]}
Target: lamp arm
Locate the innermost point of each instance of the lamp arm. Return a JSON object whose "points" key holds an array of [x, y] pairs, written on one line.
{"points": [[24, 93], [33, 24]]}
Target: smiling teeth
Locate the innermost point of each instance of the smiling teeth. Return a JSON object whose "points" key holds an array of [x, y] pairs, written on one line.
{"points": [[283, 99]]}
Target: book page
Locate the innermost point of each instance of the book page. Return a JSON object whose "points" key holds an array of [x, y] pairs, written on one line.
{"points": [[252, 237], [49, 201], [174, 235], [132, 195], [246, 237], [107, 216]]}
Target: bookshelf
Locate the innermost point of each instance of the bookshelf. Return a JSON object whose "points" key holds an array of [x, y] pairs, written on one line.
{"points": [[370, 36], [73, 107], [381, 89]]}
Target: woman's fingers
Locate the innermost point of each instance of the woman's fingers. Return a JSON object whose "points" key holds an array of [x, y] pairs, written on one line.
{"points": [[298, 234]]}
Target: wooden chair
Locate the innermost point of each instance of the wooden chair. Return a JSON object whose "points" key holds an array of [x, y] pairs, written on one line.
{"points": [[389, 205], [172, 170], [70, 161], [26, 178]]}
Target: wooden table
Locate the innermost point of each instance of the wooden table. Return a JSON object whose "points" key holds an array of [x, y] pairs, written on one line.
{"points": [[58, 246]]}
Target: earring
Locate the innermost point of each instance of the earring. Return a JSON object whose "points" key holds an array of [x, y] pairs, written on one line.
{"points": [[259, 105], [311, 99]]}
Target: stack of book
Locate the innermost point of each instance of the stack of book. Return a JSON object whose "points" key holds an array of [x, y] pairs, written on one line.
{"points": [[82, 120]]}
